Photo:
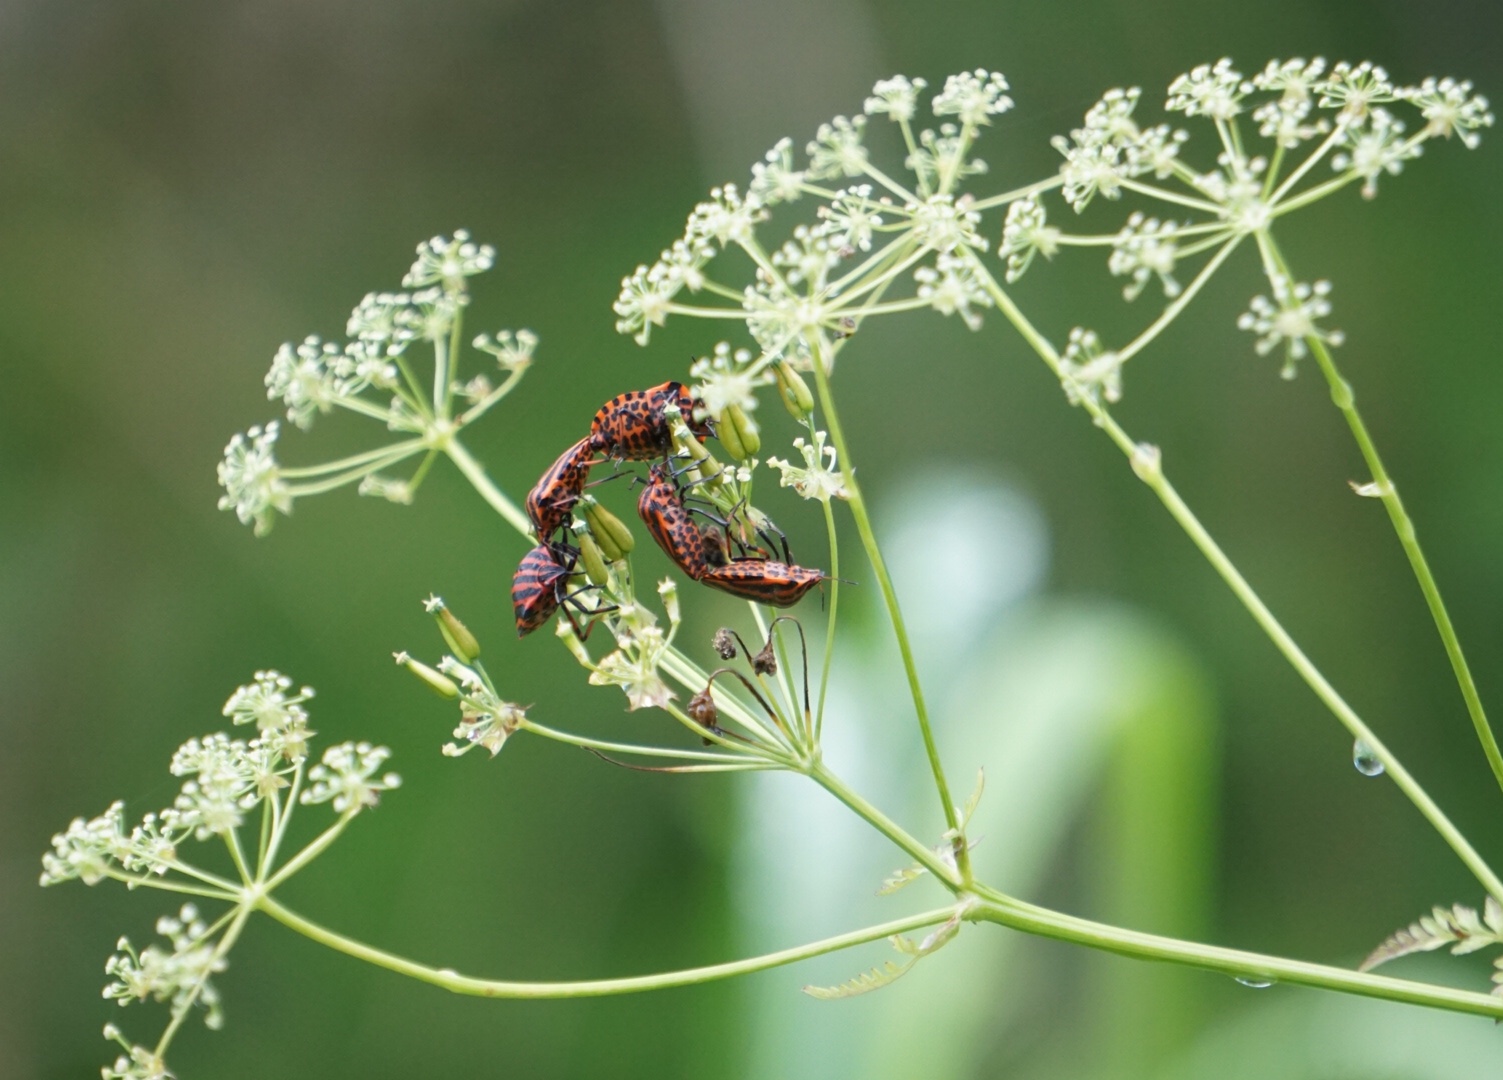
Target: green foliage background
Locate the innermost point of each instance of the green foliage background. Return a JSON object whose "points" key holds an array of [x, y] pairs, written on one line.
{"points": [[184, 186]]}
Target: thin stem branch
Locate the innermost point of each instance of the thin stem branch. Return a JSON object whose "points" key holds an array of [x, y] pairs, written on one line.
{"points": [[890, 597], [924, 856], [449, 979], [829, 647], [1159, 484], [1179, 303], [1403, 526], [475, 473]]}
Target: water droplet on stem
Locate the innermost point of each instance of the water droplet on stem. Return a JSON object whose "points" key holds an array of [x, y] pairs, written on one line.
{"points": [[1364, 760]]}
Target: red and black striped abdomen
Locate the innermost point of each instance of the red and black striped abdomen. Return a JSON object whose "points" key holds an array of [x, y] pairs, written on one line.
{"points": [[537, 588], [764, 580], [662, 511], [631, 426], [552, 499]]}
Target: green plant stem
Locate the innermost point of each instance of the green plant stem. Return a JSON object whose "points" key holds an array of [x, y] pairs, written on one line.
{"points": [[924, 856], [890, 597], [1403, 525], [498, 988], [1159, 484], [829, 649], [1037, 920], [475, 473]]}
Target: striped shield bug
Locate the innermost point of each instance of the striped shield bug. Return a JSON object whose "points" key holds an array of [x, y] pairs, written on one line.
{"points": [[694, 550], [541, 586], [552, 499], [631, 426], [764, 580]]}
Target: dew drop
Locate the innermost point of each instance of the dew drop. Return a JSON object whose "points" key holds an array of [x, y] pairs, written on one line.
{"points": [[1254, 983], [1364, 760]]}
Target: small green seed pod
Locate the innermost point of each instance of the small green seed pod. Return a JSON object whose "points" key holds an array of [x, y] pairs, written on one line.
{"points": [[738, 433], [457, 636], [437, 681], [594, 560], [793, 390], [609, 531]]}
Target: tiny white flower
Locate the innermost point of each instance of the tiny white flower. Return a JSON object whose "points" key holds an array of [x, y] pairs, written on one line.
{"points": [[251, 480], [836, 149], [1450, 108], [774, 179], [346, 778], [941, 157], [512, 350], [1355, 89], [974, 96], [1212, 90], [448, 261], [852, 216], [1087, 371], [952, 287], [634, 668], [1289, 318], [265, 702], [1026, 234], [897, 97], [1090, 168], [724, 218], [819, 479], [945, 223], [642, 304], [724, 380], [302, 377], [1145, 248], [380, 319], [390, 488], [1374, 148], [1296, 80], [808, 257]]}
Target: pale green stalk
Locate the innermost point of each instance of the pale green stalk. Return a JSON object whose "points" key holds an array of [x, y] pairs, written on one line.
{"points": [[890, 597], [449, 979], [1173, 308], [1403, 525], [1234, 962], [475, 473], [1159, 484], [829, 646]]}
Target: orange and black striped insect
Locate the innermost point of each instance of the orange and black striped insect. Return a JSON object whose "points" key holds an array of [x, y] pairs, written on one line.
{"points": [[541, 586], [552, 499], [632, 427], [764, 580], [694, 550]]}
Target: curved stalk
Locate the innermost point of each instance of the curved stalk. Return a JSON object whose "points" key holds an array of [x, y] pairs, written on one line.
{"points": [[449, 979]]}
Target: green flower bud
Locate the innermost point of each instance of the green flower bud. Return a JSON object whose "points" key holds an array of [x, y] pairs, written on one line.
{"points": [[738, 433], [793, 390], [609, 531], [593, 559], [457, 636], [709, 470], [438, 682]]}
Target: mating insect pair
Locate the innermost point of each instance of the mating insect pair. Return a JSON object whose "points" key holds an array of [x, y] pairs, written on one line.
{"points": [[630, 427], [703, 552]]}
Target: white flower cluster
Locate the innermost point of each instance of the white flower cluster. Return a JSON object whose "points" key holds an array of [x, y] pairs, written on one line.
{"points": [[641, 647], [346, 778], [1025, 234], [448, 261], [819, 478], [485, 719], [726, 378], [1145, 248], [252, 482], [179, 974], [1089, 372], [1111, 147], [1289, 319]]}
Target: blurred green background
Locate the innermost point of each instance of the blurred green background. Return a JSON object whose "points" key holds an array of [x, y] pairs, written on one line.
{"points": [[185, 186]]}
